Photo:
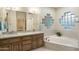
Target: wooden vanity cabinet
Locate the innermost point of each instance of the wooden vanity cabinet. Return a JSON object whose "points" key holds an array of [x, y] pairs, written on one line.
{"points": [[22, 43]]}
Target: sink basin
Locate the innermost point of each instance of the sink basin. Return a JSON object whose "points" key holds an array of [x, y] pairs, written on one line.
{"points": [[5, 33]]}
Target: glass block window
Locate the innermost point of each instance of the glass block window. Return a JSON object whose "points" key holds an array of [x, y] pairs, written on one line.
{"points": [[0, 23], [0, 26], [47, 20], [68, 20]]}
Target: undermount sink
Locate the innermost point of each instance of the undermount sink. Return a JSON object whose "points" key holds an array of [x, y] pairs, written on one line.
{"points": [[4, 33]]}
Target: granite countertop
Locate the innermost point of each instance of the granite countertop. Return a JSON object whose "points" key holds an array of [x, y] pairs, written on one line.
{"points": [[2, 36]]}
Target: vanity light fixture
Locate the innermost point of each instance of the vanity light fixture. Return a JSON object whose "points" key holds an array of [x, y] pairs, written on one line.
{"points": [[13, 8], [34, 10]]}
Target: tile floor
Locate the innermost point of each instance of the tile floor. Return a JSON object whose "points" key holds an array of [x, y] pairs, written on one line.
{"points": [[42, 49]]}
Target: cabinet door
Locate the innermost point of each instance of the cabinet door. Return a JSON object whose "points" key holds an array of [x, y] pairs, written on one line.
{"points": [[37, 41], [27, 47], [34, 42], [40, 42], [15, 43], [5, 47], [27, 43], [16, 46]]}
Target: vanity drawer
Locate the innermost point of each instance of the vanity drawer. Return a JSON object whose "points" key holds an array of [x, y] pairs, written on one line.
{"points": [[5, 47], [27, 38], [27, 42], [14, 40], [27, 47], [4, 41], [38, 36]]}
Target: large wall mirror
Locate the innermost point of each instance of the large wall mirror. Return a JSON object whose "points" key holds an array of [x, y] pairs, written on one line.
{"points": [[21, 20]]}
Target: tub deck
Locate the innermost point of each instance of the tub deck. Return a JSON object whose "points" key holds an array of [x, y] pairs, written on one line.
{"points": [[61, 43]]}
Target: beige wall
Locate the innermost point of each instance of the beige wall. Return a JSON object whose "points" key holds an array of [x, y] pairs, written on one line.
{"points": [[59, 12], [43, 12], [38, 19], [12, 21]]}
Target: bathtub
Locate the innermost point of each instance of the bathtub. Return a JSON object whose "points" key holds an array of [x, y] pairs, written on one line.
{"points": [[61, 43]]}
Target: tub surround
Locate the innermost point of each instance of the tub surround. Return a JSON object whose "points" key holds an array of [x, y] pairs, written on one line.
{"points": [[62, 43], [21, 41]]}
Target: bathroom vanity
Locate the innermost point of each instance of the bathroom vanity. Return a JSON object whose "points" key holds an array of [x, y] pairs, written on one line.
{"points": [[22, 30], [21, 41]]}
